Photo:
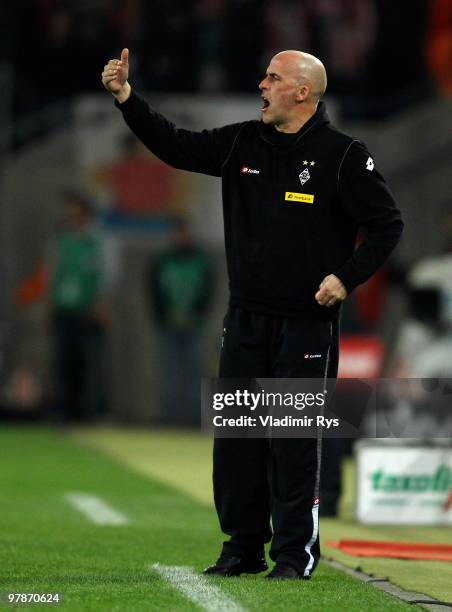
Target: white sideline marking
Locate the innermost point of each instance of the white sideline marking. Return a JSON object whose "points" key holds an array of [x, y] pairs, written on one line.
{"points": [[197, 588], [96, 510]]}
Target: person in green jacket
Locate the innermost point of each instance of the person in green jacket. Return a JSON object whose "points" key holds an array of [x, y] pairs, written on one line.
{"points": [[76, 288], [72, 277], [180, 289]]}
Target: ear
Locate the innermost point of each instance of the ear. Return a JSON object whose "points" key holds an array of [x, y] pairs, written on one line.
{"points": [[302, 93]]}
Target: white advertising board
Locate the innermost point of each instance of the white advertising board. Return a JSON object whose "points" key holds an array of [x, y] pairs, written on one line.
{"points": [[404, 485]]}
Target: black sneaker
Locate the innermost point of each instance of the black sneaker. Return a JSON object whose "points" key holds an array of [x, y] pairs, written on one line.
{"points": [[228, 565], [282, 571]]}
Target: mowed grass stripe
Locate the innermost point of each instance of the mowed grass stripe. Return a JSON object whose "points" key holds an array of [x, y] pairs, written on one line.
{"points": [[95, 509], [184, 459], [47, 547], [197, 588]]}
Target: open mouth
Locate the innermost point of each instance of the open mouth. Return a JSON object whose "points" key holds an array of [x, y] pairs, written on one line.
{"points": [[265, 104]]}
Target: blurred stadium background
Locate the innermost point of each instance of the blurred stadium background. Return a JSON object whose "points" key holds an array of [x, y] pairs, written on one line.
{"points": [[63, 144]]}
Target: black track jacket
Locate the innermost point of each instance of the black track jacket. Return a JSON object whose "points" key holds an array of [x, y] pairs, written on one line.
{"points": [[291, 211]]}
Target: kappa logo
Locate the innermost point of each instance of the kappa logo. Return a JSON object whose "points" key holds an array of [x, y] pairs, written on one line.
{"points": [[370, 164], [246, 170]]}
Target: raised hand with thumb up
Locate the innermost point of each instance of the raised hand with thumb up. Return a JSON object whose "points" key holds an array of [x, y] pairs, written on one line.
{"points": [[115, 75]]}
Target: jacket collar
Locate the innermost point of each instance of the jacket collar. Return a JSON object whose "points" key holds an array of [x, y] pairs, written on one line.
{"points": [[270, 135]]}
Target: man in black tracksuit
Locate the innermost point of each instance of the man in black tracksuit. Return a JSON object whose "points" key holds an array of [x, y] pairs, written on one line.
{"points": [[295, 192]]}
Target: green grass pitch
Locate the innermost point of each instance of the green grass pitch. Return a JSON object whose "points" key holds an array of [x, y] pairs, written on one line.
{"points": [[47, 546]]}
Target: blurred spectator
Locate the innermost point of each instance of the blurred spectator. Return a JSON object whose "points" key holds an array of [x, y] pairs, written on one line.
{"points": [[341, 32], [170, 46], [424, 346], [53, 39], [56, 64], [73, 278], [396, 75], [224, 45], [180, 290], [211, 33], [244, 45], [46, 62], [286, 26], [439, 44]]}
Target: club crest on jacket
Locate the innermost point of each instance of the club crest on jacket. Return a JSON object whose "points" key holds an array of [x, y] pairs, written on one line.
{"points": [[304, 176]]}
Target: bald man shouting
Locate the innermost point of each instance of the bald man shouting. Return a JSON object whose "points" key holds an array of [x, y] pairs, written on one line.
{"points": [[295, 193]]}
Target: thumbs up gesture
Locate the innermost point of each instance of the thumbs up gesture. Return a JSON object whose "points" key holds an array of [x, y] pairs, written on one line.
{"points": [[115, 75]]}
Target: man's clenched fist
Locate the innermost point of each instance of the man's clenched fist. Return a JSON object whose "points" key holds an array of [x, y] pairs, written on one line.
{"points": [[115, 75], [331, 291]]}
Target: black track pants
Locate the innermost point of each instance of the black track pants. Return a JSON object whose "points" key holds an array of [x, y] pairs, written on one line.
{"points": [[255, 479]]}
